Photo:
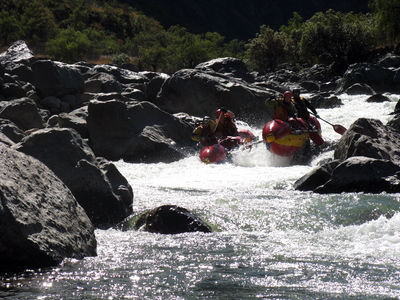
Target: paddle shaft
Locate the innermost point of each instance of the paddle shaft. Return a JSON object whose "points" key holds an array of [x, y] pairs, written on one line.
{"points": [[338, 128]]}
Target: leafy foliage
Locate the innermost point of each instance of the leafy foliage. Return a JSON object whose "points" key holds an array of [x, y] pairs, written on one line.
{"points": [[324, 38], [387, 13]]}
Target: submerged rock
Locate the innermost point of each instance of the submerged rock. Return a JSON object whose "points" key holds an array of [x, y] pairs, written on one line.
{"points": [[171, 219]]}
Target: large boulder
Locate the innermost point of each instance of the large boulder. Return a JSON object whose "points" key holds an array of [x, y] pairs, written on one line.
{"points": [[96, 184], [355, 174], [228, 66], [17, 53], [370, 138], [41, 223], [23, 112], [379, 78], [200, 93], [56, 79], [136, 131], [171, 219]]}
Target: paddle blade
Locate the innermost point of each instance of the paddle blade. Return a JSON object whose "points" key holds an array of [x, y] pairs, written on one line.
{"points": [[339, 129]]}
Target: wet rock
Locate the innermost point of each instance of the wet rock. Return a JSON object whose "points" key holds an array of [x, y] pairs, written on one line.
{"points": [[359, 89], [378, 98], [171, 219], [363, 174], [136, 131], [370, 138], [317, 177], [41, 223], [355, 174], [106, 200]]}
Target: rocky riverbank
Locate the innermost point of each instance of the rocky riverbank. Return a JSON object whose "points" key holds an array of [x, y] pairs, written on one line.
{"points": [[62, 125]]}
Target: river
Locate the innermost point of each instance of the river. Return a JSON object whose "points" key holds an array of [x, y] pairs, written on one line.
{"points": [[269, 241]]}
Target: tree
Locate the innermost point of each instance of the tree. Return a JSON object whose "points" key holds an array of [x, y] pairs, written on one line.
{"points": [[10, 28], [69, 45], [387, 16], [334, 36], [266, 50]]}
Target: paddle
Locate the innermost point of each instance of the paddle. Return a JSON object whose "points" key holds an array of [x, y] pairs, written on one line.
{"points": [[250, 145], [338, 128]]}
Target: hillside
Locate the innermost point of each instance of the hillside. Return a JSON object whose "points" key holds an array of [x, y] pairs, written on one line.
{"points": [[237, 18]]}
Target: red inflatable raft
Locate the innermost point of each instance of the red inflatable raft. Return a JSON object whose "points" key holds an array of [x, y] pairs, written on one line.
{"points": [[218, 152], [286, 138]]}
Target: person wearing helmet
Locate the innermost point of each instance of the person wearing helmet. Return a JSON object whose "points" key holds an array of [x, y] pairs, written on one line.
{"points": [[225, 124], [283, 106], [302, 106], [205, 132]]}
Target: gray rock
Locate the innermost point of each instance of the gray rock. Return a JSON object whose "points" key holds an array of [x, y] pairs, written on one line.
{"points": [[23, 112], [41, 223], [370, 138], [75, 120], [363, 174], [119, 130], [200, 93], [106, 200], [11, 130], [317, 177], [228, 66], [56, 79]]}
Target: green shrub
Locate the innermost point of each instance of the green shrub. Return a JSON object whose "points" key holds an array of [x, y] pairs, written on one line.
{"points": [[120, 59], [387, 16], [266, 50], [69, 45], [10, 28], [333, 36]]}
